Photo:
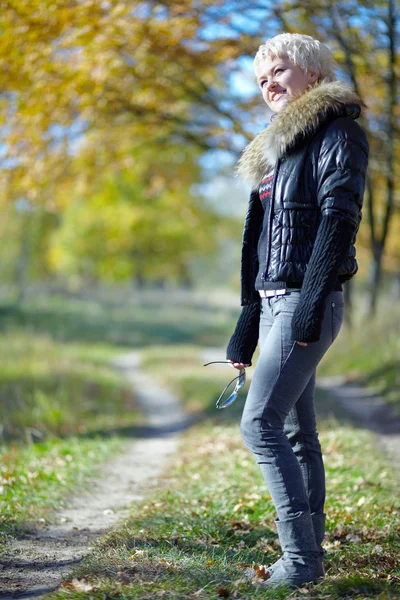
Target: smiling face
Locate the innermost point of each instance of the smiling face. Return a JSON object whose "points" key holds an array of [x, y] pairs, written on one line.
{"points": [[281, 81]]}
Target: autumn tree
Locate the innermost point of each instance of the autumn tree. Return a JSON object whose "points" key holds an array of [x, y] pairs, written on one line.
{"points": [[110, 80], [126, 68], [140, 223]]}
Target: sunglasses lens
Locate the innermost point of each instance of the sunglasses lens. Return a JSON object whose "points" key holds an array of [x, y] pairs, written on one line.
{"points": [[229, 395], [226, 400], [241, 380]]}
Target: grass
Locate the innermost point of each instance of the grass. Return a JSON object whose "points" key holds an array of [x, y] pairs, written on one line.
{"points": [[213, 519], [210, 523], [125, 322], [63, 407], [369, 352], [36, 479], [186, 376], [52, 387], [56, 374], [212, 515]]}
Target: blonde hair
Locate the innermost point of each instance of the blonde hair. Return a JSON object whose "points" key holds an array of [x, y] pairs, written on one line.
{"points": [[302, 50]]}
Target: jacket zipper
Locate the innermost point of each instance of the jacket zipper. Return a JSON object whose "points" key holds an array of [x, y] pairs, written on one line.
{"points": [[271, 210]]}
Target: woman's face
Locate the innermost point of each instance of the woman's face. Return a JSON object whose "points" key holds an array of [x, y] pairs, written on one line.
{"points": [[281, 81]]}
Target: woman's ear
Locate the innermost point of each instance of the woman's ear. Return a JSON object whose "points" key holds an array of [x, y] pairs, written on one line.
{"points": [[312, 76]]}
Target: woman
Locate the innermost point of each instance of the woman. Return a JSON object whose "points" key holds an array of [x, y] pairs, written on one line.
{"points": [[307, 171]]}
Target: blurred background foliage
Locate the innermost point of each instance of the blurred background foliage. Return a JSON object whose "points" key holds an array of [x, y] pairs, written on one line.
{"points": [[121, 122]]}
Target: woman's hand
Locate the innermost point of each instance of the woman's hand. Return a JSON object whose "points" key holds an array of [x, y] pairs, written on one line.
{"points": [[302, 343], [237, 365]]}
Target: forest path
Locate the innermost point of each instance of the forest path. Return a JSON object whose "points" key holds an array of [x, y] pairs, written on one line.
{"points": [[35, 564]]}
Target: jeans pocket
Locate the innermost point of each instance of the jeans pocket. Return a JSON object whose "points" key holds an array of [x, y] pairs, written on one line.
{"points": [[284, 359], [337, 314]]}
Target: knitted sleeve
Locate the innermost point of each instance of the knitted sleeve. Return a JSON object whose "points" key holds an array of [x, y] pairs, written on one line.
{"points": [[244, 340], [342, 165], [330, 249]]}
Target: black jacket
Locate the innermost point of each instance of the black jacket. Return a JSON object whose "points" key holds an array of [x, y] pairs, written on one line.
{"points": [[319, 155]]}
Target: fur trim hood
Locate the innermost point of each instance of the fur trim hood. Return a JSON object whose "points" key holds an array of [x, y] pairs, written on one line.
{"points": [[299, 119]]}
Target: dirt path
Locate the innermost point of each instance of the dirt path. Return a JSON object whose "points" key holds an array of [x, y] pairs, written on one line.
{"points": [[35, 564], [369, 410]]}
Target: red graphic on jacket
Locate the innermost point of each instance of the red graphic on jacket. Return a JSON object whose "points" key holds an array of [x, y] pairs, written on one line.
{"points": [[265, 189]]}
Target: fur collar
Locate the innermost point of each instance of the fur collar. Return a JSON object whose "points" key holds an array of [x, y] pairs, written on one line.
{"points": [[299, 119]]}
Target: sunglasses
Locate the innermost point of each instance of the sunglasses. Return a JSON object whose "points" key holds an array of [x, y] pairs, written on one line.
{"points": [[229, 395]]}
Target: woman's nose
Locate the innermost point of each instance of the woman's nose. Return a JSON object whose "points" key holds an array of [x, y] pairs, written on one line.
{"points": [[271, 85]]}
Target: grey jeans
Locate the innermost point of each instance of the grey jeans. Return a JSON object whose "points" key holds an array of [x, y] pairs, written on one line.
{"points": [[278, 423]]}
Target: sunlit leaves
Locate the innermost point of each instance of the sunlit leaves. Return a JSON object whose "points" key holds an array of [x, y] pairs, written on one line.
{"points": [[92, 89], [103, 64], [127, 229]]}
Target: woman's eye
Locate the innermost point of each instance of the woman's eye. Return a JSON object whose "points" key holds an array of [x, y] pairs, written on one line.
{"points": [[278, 71], [263, 82]]}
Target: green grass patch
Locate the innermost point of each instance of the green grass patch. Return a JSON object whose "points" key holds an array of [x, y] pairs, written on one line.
{"points": [[181, 369], [56, 351], [155, 318], [49, 387], [37, 478], [369, 352]]}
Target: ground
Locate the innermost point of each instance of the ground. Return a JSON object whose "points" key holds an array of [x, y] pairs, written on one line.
{"points": [[36, 564]]}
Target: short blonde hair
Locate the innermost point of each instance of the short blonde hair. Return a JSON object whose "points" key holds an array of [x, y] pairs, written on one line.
{"points": [[302, 50]]}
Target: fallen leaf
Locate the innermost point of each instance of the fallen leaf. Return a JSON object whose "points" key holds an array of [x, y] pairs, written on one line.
{"points": [[136, 554], [253, 496], [241, 525], [262, 571], [223, 592], [79, 585]]}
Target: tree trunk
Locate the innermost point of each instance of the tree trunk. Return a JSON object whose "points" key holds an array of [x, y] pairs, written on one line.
{"points": [[21, 270], [375, 277]]}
